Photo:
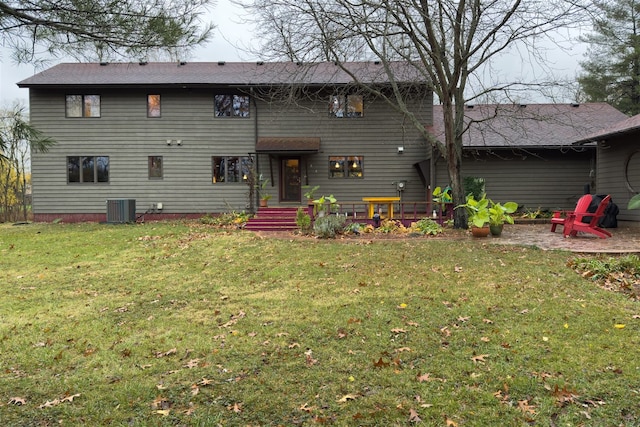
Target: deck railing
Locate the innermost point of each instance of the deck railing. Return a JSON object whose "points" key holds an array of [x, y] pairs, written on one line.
{"points": [[403, 211]]}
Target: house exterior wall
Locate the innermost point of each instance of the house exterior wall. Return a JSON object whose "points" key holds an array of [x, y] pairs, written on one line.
{"points": [[548, 180], [619, 169], [127, 136]]}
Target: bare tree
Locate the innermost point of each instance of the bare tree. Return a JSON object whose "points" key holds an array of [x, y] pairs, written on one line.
{"points": [[17, 139], [451, 45], [100, 28]]}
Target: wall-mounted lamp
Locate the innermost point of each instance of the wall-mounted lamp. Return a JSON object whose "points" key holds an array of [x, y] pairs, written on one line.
{"points": [[400, 150], [179, 141], [168, 142]]}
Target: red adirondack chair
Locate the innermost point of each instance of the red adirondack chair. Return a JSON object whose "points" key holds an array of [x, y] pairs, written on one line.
{"points": [[559, 217], [573, 224]]}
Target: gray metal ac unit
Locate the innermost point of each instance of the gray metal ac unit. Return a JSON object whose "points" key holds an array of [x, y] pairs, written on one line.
{"points": [[121, 210]]}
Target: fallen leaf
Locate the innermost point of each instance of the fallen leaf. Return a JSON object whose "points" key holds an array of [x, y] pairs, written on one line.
{"points": [[193, 363], [524, 406], [70, 398], [463, 319], [450, 422], [619, 326], [18, 401], [413, 416], [236, 407], [166, 353], [402, 349], [163, 412], [307, 408], [205, 382], [564, 395], [195, 390], [398, 331], [347, 397], [160, 403], [380, 364], [480, 358], [427, 377]]}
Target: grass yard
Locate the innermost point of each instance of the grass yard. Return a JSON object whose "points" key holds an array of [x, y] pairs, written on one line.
{"points": [[178, 323]]}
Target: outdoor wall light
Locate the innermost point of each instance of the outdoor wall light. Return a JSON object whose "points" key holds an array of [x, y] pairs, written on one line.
{"points": [[179, 142], [400, 150], [168, 142]]}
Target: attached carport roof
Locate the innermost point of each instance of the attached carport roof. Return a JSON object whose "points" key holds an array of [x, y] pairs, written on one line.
{"points": [[288, 145]]}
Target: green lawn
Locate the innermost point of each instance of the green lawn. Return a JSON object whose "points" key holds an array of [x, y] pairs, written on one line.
{"points": [[184, 324]]}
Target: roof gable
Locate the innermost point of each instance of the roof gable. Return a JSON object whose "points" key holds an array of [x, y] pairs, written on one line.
{"points": [[531, 125]]}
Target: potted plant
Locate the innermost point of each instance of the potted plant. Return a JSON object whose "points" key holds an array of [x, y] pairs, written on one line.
{"points": [[325, 205], [309, 193], [499, 214], [478, 215], [442, 197], [264, 195]]}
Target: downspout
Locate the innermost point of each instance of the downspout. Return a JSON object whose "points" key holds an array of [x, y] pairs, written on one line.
{"points": [[255, 140]]}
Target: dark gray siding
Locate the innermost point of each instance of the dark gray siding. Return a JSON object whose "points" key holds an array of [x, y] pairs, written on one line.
{"points": [[544, 180], [619, 168], [128, 137]]}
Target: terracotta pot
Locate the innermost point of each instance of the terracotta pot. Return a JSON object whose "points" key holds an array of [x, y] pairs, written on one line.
{"points": [[480, 231], [496, 230], [264, 203]]}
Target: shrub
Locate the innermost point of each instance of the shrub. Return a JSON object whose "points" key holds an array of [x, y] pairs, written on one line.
{"points": [[303, 221], [328, 226], [427, 226]]}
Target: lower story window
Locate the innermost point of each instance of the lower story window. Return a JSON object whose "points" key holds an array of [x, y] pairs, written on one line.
{"points": [[88, 169], [346, 167], [155, 167], [230, 169]]}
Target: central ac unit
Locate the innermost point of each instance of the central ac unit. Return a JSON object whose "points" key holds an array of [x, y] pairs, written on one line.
{"points": [[121, 210]]}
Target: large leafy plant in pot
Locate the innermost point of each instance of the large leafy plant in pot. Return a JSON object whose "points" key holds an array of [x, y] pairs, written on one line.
{"points": [[478, 215], [499, 214]]}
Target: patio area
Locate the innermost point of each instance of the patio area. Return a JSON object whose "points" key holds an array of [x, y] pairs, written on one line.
{"points": [[625, 239]]}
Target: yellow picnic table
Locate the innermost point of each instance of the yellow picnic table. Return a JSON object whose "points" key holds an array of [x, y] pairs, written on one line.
{"points": [[373, 201]]}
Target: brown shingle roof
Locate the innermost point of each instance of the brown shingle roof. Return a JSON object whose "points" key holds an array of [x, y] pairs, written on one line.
{"points": [[532, 125], [214, 73], [631, 124]]}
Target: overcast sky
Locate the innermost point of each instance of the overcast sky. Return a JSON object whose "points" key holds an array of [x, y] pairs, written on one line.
{"points": [[231, 32]]}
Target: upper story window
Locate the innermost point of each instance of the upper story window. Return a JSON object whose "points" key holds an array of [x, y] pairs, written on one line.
{"points": [[231, 105], [87, 169], [230, 169], [346, 167], [153, 105], [83, 106], [346, 106]]}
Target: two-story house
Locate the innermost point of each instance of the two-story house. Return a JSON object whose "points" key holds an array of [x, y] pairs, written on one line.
{"points": [[180, 138]]}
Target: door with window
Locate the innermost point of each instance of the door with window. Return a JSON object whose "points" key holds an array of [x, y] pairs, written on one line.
{"points": [[290, 190]]}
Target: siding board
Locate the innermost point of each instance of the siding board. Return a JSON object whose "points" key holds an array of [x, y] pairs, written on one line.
{"points": [[127, 136]]}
